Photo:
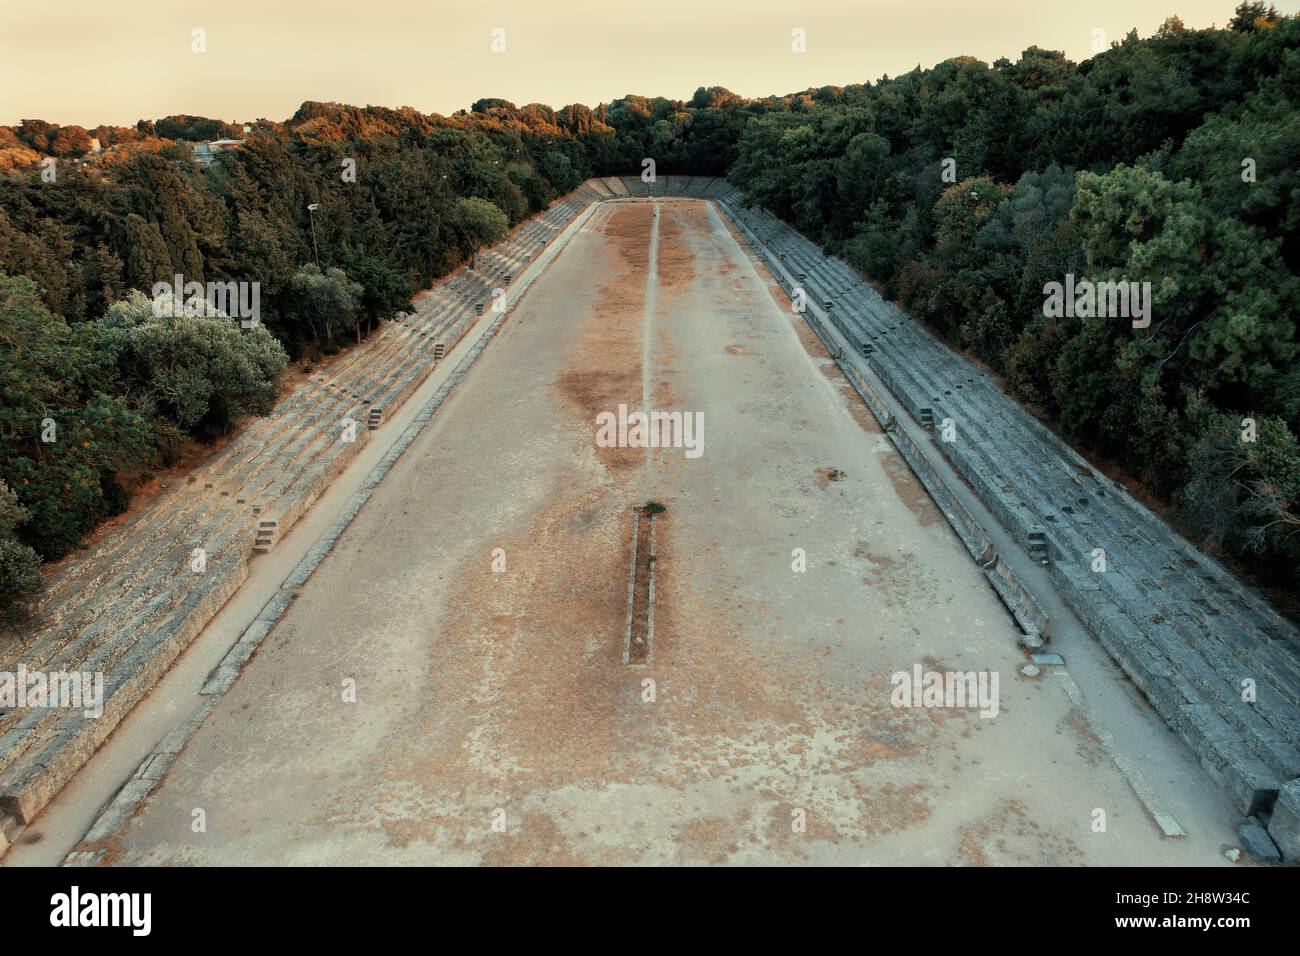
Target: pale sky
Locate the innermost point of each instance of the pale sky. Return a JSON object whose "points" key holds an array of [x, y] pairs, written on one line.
{"points": [[117, 61]]}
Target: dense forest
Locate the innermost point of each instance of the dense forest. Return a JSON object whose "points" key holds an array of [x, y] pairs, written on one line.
{"points": [[1170, 160], [961, 190]]}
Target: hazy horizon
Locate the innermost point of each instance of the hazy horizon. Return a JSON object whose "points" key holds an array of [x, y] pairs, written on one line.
{"points": [[90, 64]]}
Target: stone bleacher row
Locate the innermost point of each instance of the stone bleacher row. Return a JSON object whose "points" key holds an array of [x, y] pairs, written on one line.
{"points": [[128, 606], [1185, 629], [624, 187]]}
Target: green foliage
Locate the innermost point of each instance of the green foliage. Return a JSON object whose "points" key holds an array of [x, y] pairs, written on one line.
{"points": [[20, 575], [198, 128], [1243, 160], [324, 305], [1230, 329], [1253, 16], [82, 402], [384, 291], [1129, 165], [1159, 131], [201, 372], [479, 223], [66, 426], [124, 389], [1244, 496]]}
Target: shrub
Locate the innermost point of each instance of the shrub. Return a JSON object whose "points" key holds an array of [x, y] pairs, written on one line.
{"points": [[324, 306], [65, 424], [1245, 495], [20, 576], [202, 371]]}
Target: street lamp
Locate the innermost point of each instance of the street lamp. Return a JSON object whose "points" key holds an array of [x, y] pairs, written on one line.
{"points": [[311, 214]]}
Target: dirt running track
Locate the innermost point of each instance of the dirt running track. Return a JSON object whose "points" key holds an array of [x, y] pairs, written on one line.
{"points": [[500, 697]]}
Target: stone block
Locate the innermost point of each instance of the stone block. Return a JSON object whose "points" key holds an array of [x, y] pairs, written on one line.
{"points": [[1284, 825]]}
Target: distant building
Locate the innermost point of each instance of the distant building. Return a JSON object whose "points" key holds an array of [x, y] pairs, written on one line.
{"points": [[205, 154]]}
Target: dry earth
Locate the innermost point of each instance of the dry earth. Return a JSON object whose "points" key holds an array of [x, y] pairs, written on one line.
{"points": [[495, 721]]}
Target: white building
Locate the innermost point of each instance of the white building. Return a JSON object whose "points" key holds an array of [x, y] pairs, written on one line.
{"points": [[205, 154]]}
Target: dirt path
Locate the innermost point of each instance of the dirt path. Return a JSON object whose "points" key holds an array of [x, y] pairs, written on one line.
{"points": [[479, 604]]}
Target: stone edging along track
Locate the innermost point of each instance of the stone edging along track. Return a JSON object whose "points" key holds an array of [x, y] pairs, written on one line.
{"points": [[1028, 614], [1175, 639], [154, 767]]}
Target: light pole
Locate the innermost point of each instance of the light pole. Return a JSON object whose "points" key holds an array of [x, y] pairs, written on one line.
{"points": [[311, 214]]}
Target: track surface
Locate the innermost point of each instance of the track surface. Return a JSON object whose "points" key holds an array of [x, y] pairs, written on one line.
{"points": [[489, 697]]}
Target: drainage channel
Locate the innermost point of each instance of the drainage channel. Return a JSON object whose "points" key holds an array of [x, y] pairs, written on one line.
{"points": [[639, 637]]}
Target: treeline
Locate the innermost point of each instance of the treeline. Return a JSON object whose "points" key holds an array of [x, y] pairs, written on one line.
{"points": [[96, 390], [1169, 160], [962, 190]]}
